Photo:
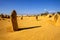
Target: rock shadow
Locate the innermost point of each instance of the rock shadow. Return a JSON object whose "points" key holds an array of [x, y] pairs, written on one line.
{"points": [[20, 29]]}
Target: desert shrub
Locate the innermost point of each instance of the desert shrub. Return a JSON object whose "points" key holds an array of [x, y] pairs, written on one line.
{"points": [[2, 16], [58, 13], [6, 16], [44, 14]]}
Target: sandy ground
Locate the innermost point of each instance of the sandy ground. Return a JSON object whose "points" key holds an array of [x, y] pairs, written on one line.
{"points": [[49, 30]]}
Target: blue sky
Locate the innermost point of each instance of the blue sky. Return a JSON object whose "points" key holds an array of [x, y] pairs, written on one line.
{"points": [[29, 6]]}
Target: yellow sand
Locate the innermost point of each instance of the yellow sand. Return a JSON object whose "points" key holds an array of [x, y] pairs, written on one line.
{"points": [[49, 30]]}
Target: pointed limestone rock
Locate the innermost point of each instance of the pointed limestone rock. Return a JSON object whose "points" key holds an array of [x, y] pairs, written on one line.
{"points": [[14, 20]]}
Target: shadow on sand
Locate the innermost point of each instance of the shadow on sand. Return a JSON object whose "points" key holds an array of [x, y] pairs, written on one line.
{"points": [[20, 29]]}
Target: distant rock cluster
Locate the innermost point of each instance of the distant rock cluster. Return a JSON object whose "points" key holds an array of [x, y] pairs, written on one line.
{"points": [[4, 16]]}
